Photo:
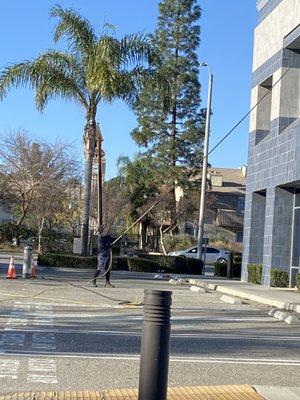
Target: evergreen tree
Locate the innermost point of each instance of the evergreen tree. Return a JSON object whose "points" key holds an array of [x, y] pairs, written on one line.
{"points": [[173, 137]]}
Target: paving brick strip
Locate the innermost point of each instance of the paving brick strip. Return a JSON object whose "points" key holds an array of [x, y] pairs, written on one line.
{"points": [[232, 392]]}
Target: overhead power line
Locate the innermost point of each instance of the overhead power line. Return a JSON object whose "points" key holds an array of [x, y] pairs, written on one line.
{"points": [[189, 173]]}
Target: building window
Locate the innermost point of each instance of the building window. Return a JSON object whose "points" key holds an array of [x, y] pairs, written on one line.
{"points": [[264, 110], [241, 204], [239, 236]]}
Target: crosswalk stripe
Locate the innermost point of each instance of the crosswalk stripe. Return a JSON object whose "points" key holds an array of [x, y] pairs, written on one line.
{"points": [[42, 370]]}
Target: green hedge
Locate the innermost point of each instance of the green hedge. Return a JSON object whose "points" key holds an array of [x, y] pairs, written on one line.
{"points": [[221, 269], [177, 264], [67, 261], [77, 261], [167, 264], [298, 281], [138, 264], [120, 263], [279, 278], [254, 273]]}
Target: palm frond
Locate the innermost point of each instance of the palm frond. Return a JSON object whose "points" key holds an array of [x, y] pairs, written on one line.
{"points": [[114, 61], [101, 66], [108, 27], [52, 74], [76, 29], [135, 49], [64, 78], [19, 74]]}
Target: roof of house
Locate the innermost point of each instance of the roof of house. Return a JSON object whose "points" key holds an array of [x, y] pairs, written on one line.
{"points": [[232, 180]]}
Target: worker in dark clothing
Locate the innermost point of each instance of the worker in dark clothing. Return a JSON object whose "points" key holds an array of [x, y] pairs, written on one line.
{"points": [[104, 245]]}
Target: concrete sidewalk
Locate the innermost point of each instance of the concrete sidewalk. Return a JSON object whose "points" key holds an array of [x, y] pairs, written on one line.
{"points": [[282, 298], [278, 392]]}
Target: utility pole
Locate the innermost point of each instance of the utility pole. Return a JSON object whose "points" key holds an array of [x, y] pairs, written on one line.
{"points": [[204, 167], [100, 174]]}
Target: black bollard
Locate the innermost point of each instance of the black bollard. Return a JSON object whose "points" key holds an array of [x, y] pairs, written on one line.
{"points": [[154, 361]]}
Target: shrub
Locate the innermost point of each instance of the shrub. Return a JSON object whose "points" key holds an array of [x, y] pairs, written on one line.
{"points": [[176, 264], [236, 268], [279, 278], [120, 263], [178, 242], [116, 250], [138, 264], [298, 281], [254, 273], [9, 231], [67, 260], [54, 242], [220, 269], [78, 261], [225, 244], [165, 263], [194, 266], [149, 263]]}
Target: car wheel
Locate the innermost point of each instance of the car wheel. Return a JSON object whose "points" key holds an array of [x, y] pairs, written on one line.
{"points": [[222, 261]]}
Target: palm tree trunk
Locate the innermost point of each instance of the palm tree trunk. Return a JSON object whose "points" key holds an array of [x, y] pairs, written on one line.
{"points": [[89, 141]]}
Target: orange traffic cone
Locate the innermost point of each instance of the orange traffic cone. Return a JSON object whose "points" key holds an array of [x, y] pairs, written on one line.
{"points": [[33, 269], [11, 272]]}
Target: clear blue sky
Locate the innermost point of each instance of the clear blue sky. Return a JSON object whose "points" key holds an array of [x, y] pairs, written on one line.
{"points": [[226, 44]]}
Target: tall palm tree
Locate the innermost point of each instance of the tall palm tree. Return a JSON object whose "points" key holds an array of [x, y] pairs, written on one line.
{"points": [[94, 68]]}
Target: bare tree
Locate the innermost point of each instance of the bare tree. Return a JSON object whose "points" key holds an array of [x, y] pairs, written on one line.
{"points": [[34, 176], [69, 214]]}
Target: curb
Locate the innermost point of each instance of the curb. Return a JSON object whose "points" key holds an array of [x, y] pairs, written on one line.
{"points": [[197, 289], [230, 299], [205, 285], [284, 316], [248, 296]]}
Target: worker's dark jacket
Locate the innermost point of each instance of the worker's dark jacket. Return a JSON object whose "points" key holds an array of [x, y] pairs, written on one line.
{"points": [[104, 245]]}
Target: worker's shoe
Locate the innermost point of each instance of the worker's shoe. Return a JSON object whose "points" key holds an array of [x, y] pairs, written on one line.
{"points": [[107, 284], [94, 285]]}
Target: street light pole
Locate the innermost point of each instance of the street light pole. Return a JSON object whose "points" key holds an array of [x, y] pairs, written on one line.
{"points": [[204, 167], [100, 196]]}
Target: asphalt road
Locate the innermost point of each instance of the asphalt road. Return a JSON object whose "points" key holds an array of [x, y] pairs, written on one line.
{"points": [[60, 333]]}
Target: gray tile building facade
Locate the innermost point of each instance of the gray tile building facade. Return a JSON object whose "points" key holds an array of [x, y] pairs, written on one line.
{"points": [[272, 208]]}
